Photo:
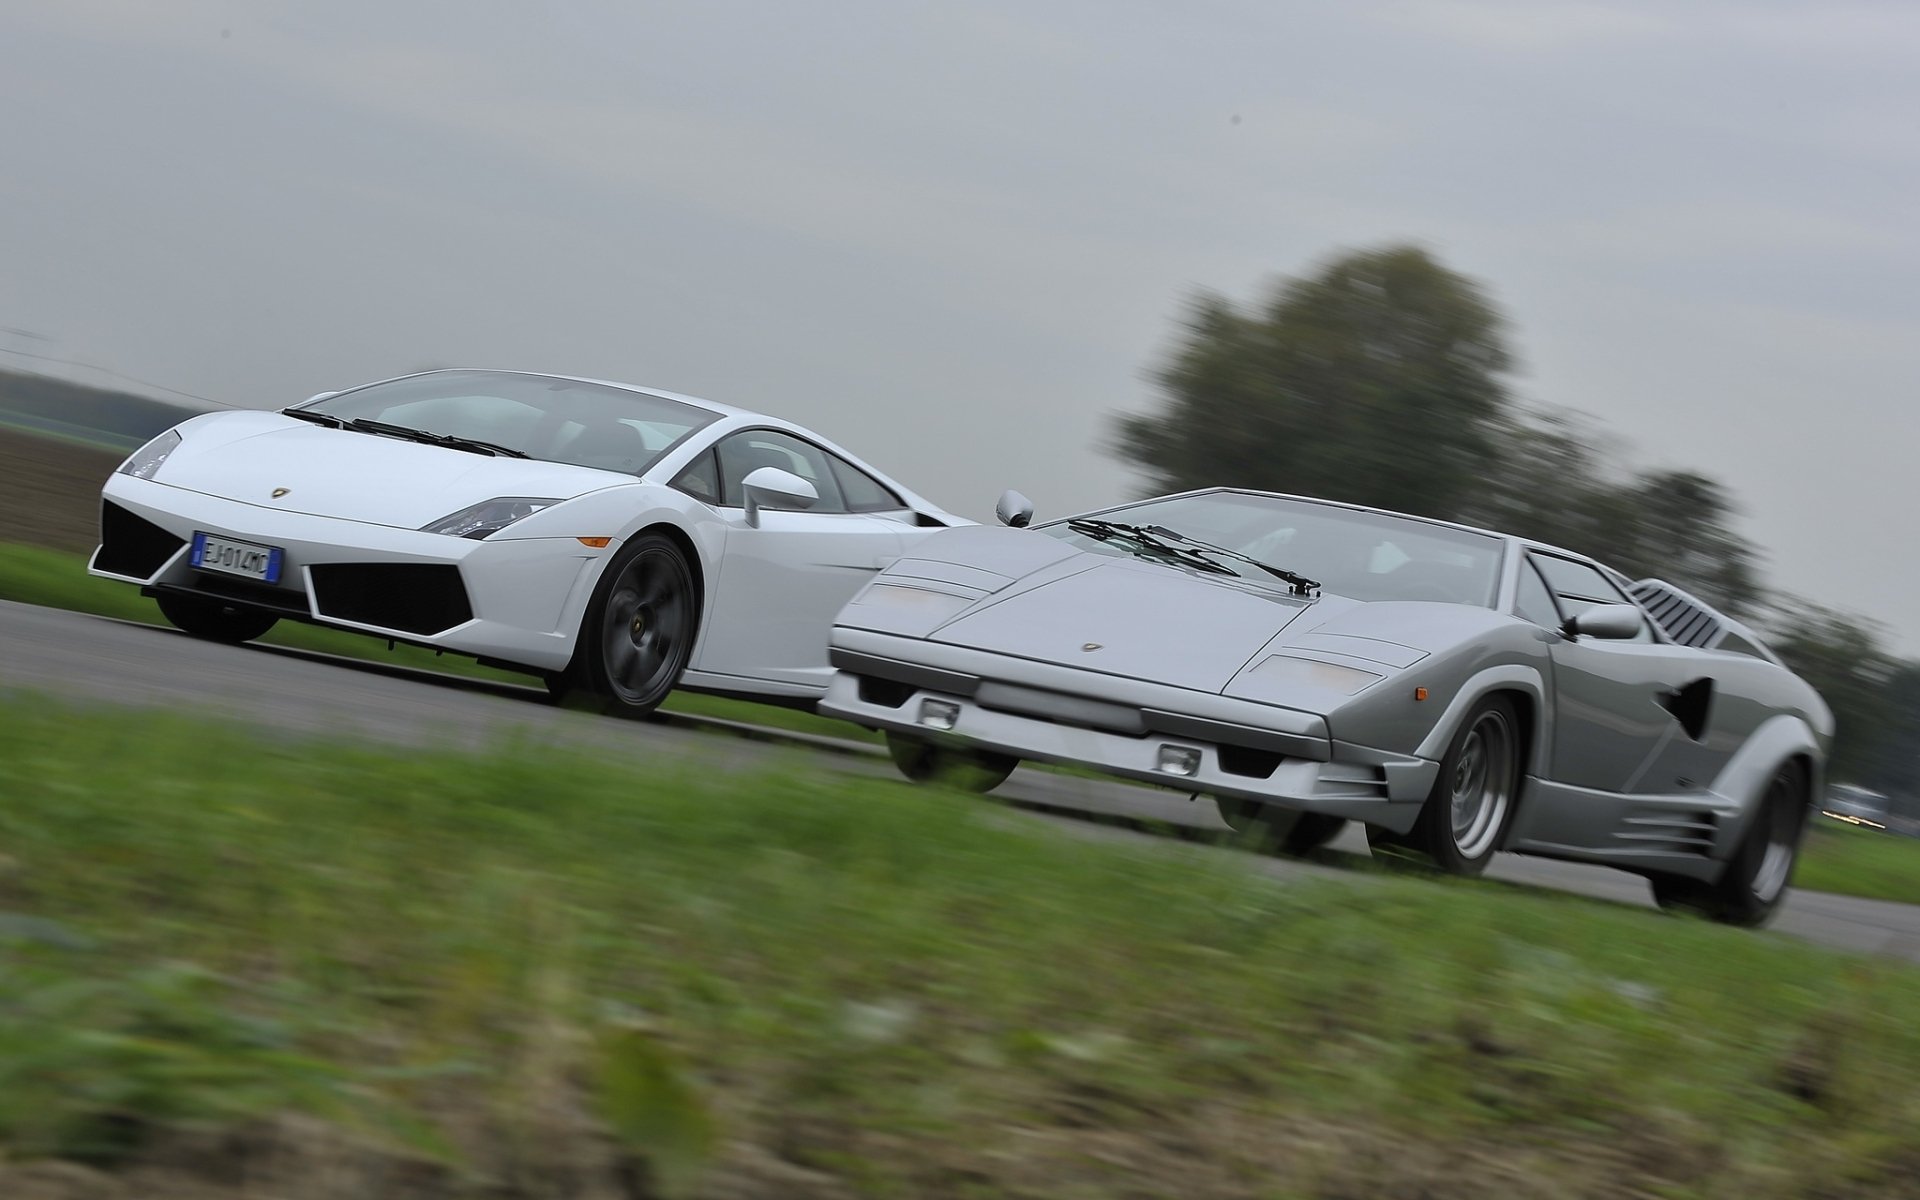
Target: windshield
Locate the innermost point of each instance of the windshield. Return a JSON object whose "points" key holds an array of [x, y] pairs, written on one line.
{"points": [[1366, 556], [558, 420]]}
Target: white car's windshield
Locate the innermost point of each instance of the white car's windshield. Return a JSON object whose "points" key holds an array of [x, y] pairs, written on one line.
{"points": [[1367, 556], [538, 416]]}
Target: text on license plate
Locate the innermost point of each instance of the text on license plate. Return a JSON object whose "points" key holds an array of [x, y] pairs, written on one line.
{"points": [[214, 553]]}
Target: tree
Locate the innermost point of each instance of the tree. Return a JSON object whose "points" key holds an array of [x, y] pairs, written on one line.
{"points": [[1376, 381], [1557, 481], [1846, 662]]}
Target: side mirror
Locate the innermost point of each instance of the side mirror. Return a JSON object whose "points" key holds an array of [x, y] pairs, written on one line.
{"points": [[770, 487], [1611, 621], [1014, 510], [319, 396]]}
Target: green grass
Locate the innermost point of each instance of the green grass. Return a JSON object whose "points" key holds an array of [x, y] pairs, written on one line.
{"points": [[32, 575], [535, 964], [1857, 861]]}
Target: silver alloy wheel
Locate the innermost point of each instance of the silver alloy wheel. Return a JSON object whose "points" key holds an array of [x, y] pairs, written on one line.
{"points": [[1776, 861], [645, 625], [1482, 786]]}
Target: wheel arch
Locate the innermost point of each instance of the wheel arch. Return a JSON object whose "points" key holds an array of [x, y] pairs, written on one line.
{"points": [[1523, 685], [1781, 740]]}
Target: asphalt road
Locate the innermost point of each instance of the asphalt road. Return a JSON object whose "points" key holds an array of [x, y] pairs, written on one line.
{"points": [[94, 659]]}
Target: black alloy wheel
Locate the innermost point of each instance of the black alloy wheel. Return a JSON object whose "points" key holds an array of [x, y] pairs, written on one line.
{"points": [[638, 631], [213, 620], [1749, 891], [969, 770]]}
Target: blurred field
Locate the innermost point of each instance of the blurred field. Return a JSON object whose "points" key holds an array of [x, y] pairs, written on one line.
{"points": [[50, 489], [534, 974], [1859, 862]]}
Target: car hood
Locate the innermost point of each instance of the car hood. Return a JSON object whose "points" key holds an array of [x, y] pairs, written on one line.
{"points": [[249, 456], [1127, 617]]}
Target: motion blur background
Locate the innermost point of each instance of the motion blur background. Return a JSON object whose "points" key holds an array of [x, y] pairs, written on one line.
{"points": [[967, 239]]}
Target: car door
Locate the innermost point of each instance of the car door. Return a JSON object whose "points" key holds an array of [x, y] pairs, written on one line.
{"points": [[784, 576], [1630, 716]]}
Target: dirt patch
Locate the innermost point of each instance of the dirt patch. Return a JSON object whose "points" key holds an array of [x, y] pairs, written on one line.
{"points": [[50, 490]]}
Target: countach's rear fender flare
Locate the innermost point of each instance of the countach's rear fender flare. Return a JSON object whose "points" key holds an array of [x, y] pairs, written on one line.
{"points": [[1528, 689], [1781, 739]]}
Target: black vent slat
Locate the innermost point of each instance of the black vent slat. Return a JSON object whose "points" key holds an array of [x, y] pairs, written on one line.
{"points": [[1685, 621]]}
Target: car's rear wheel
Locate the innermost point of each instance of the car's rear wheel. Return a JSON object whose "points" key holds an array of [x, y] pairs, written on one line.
{"points": [[970, 770], [1749, 891], [1288, 831], [1467, 812], [638, 631], [213, 620]]}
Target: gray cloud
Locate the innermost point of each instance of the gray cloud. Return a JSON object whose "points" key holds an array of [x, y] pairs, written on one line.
{"points": [[956, 236]]}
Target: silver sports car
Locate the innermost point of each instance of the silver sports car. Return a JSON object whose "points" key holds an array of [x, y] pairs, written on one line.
{"points": [[1306, 663]]}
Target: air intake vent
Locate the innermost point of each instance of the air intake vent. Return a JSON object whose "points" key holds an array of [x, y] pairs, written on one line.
{"points": [[1685, 619], [408, 597], [131, 545], [1682, 832]]}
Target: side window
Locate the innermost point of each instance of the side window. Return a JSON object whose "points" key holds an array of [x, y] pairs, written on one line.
{"points": [[863, 492], [1578, 587], [1534, 602], [751, 449], [701, 479]]}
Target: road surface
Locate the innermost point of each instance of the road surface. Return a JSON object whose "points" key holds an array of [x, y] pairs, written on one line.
{"points": [[95, 659]]}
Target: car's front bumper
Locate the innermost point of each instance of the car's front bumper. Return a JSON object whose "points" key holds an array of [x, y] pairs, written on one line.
{"points": [[1121, 726], [515, 601]]}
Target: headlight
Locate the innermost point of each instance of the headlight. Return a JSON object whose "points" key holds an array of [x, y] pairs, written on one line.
{"points": [[900, 608], [488, 517], [147, 459], [1282, 668]]}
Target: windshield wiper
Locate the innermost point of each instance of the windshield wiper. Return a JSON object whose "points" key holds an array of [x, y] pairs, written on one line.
{"points": [[318, 418], [451, 441], [1299, 585], [1191, 551], [1106, 531]]}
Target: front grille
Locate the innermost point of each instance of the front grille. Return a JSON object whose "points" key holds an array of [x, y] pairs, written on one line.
{"points": [[409, 597], [885, 692], [132, 545], [1248, 762]]}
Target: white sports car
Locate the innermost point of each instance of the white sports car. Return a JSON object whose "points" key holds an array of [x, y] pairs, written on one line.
{"points": [[611, 539]]}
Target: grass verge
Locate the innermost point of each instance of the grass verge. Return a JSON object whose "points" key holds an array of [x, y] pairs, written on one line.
{"points": [[56, 579], [1856, 861], [534, 973]]}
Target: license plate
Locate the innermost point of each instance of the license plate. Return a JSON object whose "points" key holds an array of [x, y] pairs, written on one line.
{"points": [[214, 553]]}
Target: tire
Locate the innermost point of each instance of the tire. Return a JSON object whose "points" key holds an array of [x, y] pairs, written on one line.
{"points": [[213, 620], [1472, 802], [1287, 831], [1755, 880], [968, 770], [638, 631]]}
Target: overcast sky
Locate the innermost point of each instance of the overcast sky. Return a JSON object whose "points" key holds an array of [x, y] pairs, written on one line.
{"points": [[955, 236]]}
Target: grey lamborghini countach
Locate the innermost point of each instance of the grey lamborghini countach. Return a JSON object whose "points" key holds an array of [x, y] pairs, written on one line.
{"points": [[1307, 663]]}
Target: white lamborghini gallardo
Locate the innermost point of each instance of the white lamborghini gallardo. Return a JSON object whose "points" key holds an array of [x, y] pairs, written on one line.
{"points": [[611, 539]]}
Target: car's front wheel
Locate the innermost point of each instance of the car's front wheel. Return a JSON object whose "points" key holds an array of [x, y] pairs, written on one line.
{"points": [[1749, 891], [213, 620], [970, 770], [638, 631], [1467, 812]]}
